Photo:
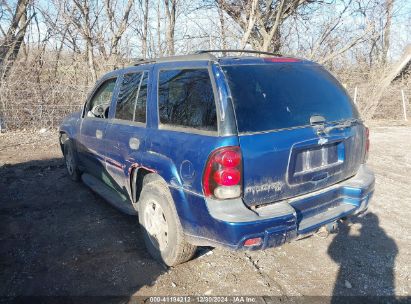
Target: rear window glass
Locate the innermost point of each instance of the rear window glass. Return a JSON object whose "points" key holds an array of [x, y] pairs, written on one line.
{"points": [[185, 98], [285, 95]]}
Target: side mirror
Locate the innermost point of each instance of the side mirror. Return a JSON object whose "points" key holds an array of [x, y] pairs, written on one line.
{"points": [[98, 111]]}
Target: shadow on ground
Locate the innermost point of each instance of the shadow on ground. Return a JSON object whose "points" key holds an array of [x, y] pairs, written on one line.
{"points": [[366, 255], [59, 238]]}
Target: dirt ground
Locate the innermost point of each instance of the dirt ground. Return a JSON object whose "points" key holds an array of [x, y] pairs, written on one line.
{"points": [[59, 238]]}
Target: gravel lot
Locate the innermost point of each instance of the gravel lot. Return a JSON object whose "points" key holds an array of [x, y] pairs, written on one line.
{"points": [[59, 238]]}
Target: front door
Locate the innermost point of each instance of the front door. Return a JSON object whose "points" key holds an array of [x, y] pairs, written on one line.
{"points": [[93, 129]]}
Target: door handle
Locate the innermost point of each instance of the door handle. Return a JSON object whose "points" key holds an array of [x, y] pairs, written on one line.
{"points": [[134, 143], [99, 134]]}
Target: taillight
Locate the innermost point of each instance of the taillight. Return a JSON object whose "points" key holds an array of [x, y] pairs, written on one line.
{"points": [[367, 143], [223, 173]]}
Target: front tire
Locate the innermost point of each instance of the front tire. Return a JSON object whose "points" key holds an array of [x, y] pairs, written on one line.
{"points": [[70, 160], [162, 231]]}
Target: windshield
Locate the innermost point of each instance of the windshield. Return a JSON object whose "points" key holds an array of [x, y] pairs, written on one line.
{"points": [[285, 95]]}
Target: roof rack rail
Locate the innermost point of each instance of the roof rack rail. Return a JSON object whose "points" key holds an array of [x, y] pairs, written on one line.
{"points": [[198, 56], [193, 56], [143, 61], [238, 51]]}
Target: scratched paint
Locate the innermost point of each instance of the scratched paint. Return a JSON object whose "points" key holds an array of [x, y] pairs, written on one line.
{"points": [[265, 187]]}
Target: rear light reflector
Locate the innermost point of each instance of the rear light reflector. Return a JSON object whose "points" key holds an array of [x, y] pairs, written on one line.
{"points": [[253, 242], [223, 173]]}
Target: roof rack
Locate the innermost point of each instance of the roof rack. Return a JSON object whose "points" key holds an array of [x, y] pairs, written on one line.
{"points": [[195, 56], [199, 55], [143, 61], [238, 51]]}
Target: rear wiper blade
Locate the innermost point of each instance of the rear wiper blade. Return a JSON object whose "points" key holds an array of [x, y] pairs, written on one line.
{"points": [[340, 125], [323, 129]]}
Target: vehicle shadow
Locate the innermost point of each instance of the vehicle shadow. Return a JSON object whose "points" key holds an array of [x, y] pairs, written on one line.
{"points": [[366, 255], [58, 238]]}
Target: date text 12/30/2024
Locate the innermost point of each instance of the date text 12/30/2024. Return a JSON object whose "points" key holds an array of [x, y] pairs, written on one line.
{"points": [[203, 299]]}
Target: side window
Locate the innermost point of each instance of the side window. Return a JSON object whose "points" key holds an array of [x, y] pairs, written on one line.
{"points": [[185, 98], [140, 112], [132, 99], [99, 104]]}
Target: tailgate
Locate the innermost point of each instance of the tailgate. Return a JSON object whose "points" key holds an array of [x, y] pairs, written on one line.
{"points": [[284, 164]]}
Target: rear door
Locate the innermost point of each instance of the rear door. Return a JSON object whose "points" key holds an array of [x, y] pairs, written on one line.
{"points": [[126, 134], [298, 129], [185, 128]]}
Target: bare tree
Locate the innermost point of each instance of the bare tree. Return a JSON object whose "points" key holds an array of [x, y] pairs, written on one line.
{"points": [[144, 37], [261, 20], [93, 28], [222, 28], [79, 14], [171, 10], [158, 51], [383, 83], [58, 53], [251, 22], [13, 38], [379, 15], [142, 28], [117, 25], [389, 4]]}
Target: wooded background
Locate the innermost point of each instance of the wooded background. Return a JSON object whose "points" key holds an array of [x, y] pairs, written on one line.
{"points": [[52, 52]]}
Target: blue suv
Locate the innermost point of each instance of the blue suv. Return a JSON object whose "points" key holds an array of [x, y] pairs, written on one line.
{"points": [[243, 152]]}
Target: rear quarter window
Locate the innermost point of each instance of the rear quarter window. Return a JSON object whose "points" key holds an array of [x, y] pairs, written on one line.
{"points": [[285, 95], [186, 99]]}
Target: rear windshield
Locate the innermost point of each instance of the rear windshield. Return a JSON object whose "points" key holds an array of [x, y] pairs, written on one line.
{"points": [[285, 95]]}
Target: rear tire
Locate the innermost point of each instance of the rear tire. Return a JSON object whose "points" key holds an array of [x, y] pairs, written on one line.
{"points": [[70, 160], [162, 231]]}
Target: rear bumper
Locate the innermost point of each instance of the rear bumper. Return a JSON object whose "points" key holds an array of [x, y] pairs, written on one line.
{"points": [[231, 223]]}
